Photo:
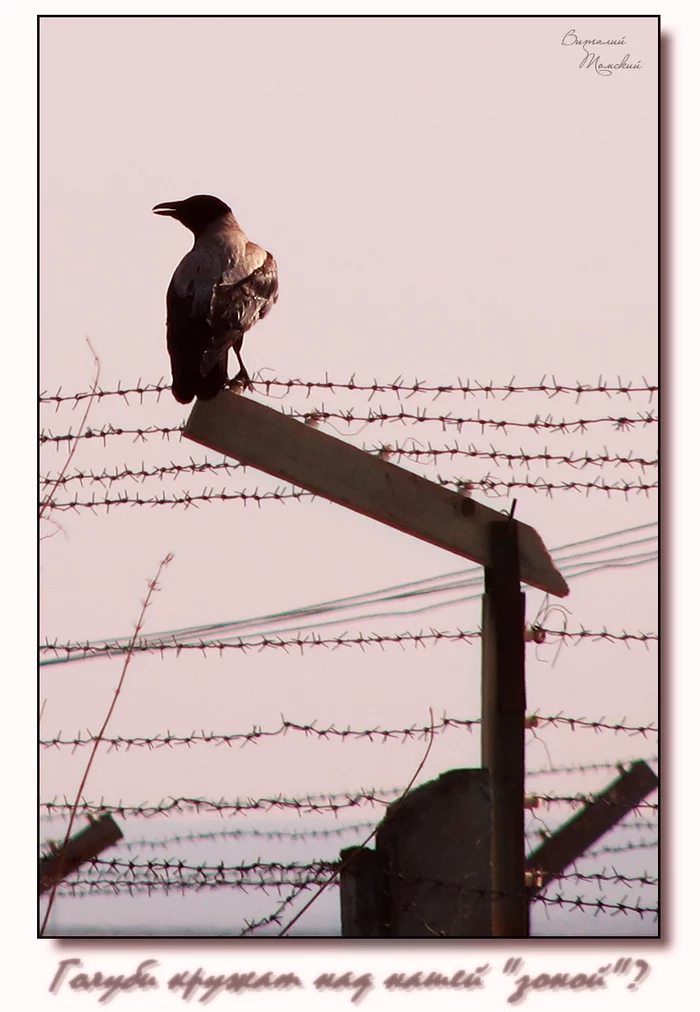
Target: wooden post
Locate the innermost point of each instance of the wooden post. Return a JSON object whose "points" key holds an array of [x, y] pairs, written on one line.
{"points": [[362, 895], [89, 842], [573, 839], [503, 729]]}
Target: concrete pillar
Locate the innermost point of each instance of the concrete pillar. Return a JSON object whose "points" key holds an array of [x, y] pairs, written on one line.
{"points": [[430, 873]]}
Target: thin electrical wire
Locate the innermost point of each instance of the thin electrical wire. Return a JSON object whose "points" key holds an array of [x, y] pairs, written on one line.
{"points": [[244, 628]]}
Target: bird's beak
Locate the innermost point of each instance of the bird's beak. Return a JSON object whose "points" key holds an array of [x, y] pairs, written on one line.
{"points": [[169, 209]]}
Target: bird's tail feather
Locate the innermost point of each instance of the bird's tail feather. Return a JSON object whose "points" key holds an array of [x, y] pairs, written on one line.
{"points": [[208, 386], [188, 383]]}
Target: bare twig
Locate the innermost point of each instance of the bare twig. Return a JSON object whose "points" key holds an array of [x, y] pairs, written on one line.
{"points": [[152, 587]]}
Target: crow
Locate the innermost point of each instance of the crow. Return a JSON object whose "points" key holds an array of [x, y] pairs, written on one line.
{"points": [[221, 288]]}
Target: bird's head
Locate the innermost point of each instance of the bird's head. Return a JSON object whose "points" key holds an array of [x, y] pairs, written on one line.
{"points": [[196, 213]]}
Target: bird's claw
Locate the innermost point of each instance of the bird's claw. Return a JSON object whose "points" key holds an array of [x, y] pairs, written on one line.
{"points": [[241, 379]]}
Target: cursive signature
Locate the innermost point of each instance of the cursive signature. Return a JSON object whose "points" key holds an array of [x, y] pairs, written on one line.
{"points": [[594, 60]]}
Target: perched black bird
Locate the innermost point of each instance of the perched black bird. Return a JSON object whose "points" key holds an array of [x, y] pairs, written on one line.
{"points": [[221, 288]]}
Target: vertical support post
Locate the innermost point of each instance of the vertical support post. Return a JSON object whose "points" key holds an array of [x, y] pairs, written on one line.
{"points": [[362, 890], [503, 729]]}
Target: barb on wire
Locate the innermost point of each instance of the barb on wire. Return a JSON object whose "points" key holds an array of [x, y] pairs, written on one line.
{"points": [[601, 877], [268, 872], [106, 431], [176, 866], [467, 388], [575, 460], [371, 734], [430, 454], [142, 474], [241, 834], [416, 732], [540, 833], [599, 905], [276, 916], [303, 642], [333, 803], [134, 886], [622, 848], [495, 487], [490, 486], [588, 767], [535, 800], [620, 423], [185, 499]]}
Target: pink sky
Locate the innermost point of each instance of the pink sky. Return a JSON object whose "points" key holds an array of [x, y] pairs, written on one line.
{"points": [[445, 198]]}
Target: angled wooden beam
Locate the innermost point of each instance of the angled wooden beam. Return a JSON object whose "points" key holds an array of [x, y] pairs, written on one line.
{"points": [[89, 842], [285, 447], [585, 828]]}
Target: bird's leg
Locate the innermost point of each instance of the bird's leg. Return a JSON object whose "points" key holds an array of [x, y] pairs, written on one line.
{"points": [[241, 376]]}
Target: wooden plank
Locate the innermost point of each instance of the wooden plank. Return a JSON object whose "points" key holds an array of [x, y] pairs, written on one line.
{"points": [[89, 842], [573, 839], [285, 447], [503, 731]]}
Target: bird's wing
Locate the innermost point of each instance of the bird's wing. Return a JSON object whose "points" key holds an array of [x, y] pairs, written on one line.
{"points": [[237, 306], [208, 306], [188, 337]]}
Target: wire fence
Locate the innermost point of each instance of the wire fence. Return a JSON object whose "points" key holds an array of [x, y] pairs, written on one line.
{"points": [[467, 388], [573, 459], [491, 487], [325, 803], [102, 487], [370, 734], [279, 835], [620, 423], [179, 645]]}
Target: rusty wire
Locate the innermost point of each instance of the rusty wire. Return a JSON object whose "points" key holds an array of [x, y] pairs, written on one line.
{"points": [[467, 388], [307, 641], [242, 834], [333, 803], [489, 486], [86, 887], [574, 459], [310, 730], [175, 870], [622, 848], [181, 839], [620, 423]]}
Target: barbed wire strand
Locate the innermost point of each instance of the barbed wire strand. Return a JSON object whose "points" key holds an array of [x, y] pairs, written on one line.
{"points": [[468, 388], [621, 423], [180, 839], [371, 734], [203, 872], [489, 486], [534, 721], [333, 803], [574, 459], [259, 642]]}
